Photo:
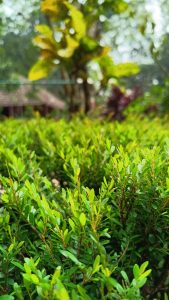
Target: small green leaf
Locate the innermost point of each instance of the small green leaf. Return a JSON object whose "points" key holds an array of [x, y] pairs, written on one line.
{"points": [[143, 267], [34, 278], [71, 256], [11, 247], [72, 224], [141, 283], [17, 264], [123, 273], [115, 284], [56, 275], [6, 297], [82, 219], [145, 274], [96, 264], [136, 271], [21, 244], [60, 292]]}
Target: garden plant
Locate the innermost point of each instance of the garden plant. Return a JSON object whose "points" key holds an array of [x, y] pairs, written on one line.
{"points": [[84, 209]]}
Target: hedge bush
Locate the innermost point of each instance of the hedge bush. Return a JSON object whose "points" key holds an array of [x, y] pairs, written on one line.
{"points": [[84, 208]]}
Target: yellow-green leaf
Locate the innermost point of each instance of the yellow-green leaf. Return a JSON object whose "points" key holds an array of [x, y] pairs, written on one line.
{"points": [[82, 219], [34, 278], [43, 43], [60, 292], [44, 29], [41, 69], [11, 247], [96, 264], [78, 21], [125, 69], [145, 274], [51, 7], [56, 275], [72, 44]]}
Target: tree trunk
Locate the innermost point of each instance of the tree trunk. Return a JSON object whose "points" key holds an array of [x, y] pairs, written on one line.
{"points": [[72, 99], [70, 91], [86, 93]]}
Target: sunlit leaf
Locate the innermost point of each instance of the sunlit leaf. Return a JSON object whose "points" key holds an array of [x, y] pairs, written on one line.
{"points": [[125, 69], [145, 274], [60, 291], [45, 30], [34, 278], [143, 267], [54, 8], [136, 271], [41, 69], [46, 39], [82, 219], [78, 21], [72, 44], [44, 43]]}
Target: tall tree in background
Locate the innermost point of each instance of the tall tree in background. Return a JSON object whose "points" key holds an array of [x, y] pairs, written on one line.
{"points": [[17, 21], [72, 40]]}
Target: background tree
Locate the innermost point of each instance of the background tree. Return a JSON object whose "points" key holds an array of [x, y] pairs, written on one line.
{"points": [[73, 39], [17, 21]]}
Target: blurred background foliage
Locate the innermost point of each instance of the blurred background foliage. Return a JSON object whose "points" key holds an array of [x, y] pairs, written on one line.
{"points": [[122, 43]]}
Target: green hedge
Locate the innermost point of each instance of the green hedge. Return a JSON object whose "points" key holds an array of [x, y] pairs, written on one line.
{"points": [[83, 204]]}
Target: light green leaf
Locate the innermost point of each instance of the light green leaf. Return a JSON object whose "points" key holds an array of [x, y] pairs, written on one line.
{"points": [[96, 264], [145, 274], [34, 278], [82, 219], [72, 224], [140, 283], [6, 297], [11, 247], [115, 284], [136, 271], [60, 292], [143, 267], [56, 275], [123, 273], [71, 257]]}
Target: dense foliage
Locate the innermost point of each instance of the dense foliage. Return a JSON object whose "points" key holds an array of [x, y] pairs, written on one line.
{"points": [[82, 206]]}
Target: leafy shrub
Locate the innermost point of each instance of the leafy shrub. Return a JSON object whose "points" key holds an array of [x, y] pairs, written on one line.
{"points": [[82, 206]]}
